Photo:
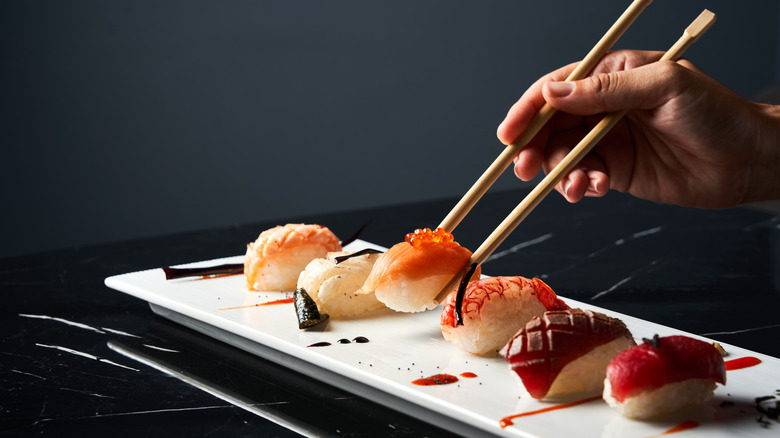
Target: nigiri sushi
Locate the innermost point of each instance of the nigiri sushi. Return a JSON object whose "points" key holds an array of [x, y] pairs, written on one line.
{"points": [[494, 309], [663, 375], [564, 354], [409, 276], [333, 280], [274, 261]]}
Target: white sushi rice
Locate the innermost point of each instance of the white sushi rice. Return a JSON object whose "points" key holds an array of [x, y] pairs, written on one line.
{"points": [[585, 375], [664, 400], [496, 323], [417, 296]]}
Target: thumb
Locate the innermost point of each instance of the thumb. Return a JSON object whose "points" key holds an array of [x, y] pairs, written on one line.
{"points": [[644, 87]]}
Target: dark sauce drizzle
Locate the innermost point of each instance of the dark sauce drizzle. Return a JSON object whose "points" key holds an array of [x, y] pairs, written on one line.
{"points": [[319, 344], [357, 340], [340, 259], [230, 268], [355, 236], [462, 293]]}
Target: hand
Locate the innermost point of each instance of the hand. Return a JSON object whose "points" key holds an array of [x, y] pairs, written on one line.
{"points": [[687, 139]]}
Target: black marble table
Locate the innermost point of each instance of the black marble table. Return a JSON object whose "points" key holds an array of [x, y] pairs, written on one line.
{"points": [[713, 273]]}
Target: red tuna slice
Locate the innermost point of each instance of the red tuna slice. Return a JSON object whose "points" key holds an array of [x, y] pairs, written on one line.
{"points": [[538, 352], [661, 361]]}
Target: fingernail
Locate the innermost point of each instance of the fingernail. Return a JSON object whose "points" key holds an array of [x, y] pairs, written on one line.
{"points": [[560, 89], [566, 187]]}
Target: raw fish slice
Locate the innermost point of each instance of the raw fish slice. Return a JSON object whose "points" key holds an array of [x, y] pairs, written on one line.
{"points": [[494, 309], [663, 375], [332, 284], [410, 274], [565, 353], [275, 260]]}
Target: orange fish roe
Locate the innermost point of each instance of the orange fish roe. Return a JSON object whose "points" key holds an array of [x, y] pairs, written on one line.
{"points": [[426, 235]]}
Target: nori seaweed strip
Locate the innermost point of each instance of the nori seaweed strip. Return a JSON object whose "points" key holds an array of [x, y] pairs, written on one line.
{"points": [[462, 293], [354, 237], [306, 310], [231, 268], [340, 259]]}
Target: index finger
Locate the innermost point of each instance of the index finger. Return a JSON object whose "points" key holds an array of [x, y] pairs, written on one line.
{"points": [[523, 111]]}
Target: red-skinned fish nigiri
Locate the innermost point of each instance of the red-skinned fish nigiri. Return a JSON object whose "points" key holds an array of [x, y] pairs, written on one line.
{"points": [[663, 375], [494, 309], [564, 354]]}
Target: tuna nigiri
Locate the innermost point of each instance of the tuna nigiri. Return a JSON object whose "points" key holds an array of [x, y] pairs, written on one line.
{"points": [[332, 282], [564, 354], [410, 274], [663, 375], [494, 309], [274, 261]]}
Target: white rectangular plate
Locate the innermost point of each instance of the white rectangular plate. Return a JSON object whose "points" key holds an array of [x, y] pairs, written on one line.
{"points": [[405, 347]]}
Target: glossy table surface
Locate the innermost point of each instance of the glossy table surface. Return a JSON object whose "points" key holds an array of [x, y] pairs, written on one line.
{"points": [[710, 272]]}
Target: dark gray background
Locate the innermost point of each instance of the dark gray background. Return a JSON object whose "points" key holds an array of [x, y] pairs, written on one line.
{"points": [[125, 119]]}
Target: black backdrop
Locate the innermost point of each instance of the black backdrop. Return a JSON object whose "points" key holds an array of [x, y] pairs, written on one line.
{"points": [[135, 118]]}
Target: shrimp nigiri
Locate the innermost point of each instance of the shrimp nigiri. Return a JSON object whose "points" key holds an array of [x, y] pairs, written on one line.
{"points": [[409, 276], [274, 261], [663, 375], [494, 309], [565, 353]]}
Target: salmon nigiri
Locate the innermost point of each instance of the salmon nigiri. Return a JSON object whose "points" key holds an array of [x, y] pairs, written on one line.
{"points": [[494, 309], [564, 354], [663, 375], [274, 261], [410, 274]]}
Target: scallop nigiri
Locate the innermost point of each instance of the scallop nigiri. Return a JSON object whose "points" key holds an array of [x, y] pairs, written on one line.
{"points": [[494, 309], [274, 261], [663, 375], [332, 282], [564, 354], [409, 276]]}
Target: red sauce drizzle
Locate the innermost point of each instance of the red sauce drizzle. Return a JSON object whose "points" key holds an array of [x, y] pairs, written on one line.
{"points": [[268, 303], [507, 421], [742, 362], [685, 425], [468, 375], [436, 379]]}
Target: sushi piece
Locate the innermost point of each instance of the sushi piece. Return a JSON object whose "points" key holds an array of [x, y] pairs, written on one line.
{"points": [[333, 280], [564, 354], [663, 375], [494, 309], [274, 261], [409, 276]]}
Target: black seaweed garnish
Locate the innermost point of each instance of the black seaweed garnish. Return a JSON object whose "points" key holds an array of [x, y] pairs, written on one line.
{"points": [[340, 259], [231, 268], [306, 310], [462, 293], [655, 342], [767, 406]]}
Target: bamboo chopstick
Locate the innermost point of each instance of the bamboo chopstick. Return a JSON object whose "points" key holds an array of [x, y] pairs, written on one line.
{"points": [[691, 34], [500, 164]]}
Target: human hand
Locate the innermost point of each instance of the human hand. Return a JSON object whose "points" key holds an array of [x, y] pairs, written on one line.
{"points": [[687, 139]]}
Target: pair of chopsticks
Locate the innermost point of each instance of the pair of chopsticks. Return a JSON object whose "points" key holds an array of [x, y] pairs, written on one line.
{"points": [[690, 35]]}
